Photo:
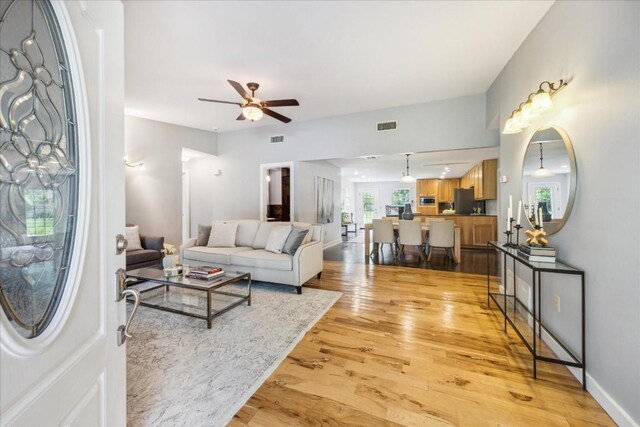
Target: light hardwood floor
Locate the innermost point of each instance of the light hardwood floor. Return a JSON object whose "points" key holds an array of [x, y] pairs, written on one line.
{"points": [[406, 346]]}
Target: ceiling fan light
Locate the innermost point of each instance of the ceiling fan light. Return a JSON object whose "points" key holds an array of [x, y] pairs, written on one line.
{"points": [[541, 101], [251, 112]]}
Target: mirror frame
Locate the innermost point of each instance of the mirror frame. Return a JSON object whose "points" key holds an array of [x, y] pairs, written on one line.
{"points": [[553, 228]]}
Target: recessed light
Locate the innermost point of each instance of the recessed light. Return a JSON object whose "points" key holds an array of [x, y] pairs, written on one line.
{"points": [[355, 172], [363, 176], [565, 166]]}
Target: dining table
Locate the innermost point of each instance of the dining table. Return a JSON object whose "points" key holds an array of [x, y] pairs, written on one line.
{"points": [[425, 227]]}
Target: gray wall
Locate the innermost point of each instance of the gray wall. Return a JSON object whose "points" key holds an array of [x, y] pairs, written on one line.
{"points": [[154, 195], [305, 174], [441, 125], [595, 46]]}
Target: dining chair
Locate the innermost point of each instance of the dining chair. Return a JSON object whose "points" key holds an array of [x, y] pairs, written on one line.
{"points": [[441, 236], [410, 234], [382, 233]]}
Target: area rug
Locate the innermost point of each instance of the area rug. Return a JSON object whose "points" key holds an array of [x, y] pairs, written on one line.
{"points": [[181, 373]]}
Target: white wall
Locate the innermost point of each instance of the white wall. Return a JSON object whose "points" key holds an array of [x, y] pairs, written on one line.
{"points": [[154, 195], [595, 46], [305, 174]]}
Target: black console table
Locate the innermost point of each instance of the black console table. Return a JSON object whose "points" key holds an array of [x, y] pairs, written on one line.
{"points": [[509, 305]]}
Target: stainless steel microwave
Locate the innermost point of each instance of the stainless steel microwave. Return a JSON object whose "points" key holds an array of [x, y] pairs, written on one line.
{"points": [[427, 200]]}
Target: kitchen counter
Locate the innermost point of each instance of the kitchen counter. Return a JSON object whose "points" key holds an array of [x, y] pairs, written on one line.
{"points": [[475, 230]]}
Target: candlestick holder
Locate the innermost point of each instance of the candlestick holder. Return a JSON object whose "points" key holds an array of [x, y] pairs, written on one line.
{"points": [[517, 233], [508, 243]]}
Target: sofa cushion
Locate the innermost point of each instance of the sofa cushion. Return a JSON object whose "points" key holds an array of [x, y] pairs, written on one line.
{"points": [[260, 242], [213, 255], [261, 258], [294, 241], [204, 231], [223, 235], [304, 226], [277, 238], [132, 234], [143, 255], [247, 229]]}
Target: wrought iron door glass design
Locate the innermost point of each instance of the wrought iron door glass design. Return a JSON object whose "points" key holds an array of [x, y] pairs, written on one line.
{"points": [[38, 165]]}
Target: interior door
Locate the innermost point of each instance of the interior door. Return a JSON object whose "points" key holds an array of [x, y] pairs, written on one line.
{"points": [[65, 156]]}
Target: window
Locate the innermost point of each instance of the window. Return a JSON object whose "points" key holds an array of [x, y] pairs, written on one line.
{"points": [[39, 212], [400, 197]]}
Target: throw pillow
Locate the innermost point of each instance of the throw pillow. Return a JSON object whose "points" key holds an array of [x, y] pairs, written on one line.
{"points": [[263, 234], [204, 231], [132, 235], [294, 241], [277, 238], [247, 230], [305, 226], [223, 235]]}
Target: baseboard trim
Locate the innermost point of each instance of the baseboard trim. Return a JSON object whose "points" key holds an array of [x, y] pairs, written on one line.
{"points": [[611, 407], [332, 243]]}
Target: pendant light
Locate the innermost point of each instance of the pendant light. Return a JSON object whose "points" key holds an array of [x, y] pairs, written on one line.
{"points": [[407, 177], [542, 172]]}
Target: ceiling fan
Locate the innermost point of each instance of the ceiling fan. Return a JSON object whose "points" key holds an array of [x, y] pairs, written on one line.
{"points": [[253, 108]]}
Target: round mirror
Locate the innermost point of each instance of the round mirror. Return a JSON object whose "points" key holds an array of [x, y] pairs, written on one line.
{"points": [[549, 178]]}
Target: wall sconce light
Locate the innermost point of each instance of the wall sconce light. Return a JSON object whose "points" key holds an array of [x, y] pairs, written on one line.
{"points": [[134, 165], [536, 103]]}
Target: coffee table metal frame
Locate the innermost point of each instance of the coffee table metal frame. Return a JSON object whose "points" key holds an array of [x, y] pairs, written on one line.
{"points": [[208, 286]]}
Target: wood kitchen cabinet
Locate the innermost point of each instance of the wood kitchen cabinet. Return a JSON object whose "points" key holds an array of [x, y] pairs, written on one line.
{"points": [[483, 179], [445, 189], [475, 230]]}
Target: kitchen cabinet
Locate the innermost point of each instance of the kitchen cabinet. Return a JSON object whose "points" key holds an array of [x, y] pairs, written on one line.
{"points": [[445, 189], [475, 230], [483, 179]]}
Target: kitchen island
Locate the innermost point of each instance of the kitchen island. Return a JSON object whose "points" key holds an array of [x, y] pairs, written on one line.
{"points": [[475, 230]]}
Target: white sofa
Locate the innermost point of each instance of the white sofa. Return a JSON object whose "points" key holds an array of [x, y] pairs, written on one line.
{"points": [[250, 256]]}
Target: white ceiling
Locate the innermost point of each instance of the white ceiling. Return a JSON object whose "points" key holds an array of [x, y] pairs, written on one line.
{"points": [[421, 165], [334, 57]]}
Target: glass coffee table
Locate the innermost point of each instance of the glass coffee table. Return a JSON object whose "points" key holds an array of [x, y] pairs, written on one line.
{"points": [[190, 294]]}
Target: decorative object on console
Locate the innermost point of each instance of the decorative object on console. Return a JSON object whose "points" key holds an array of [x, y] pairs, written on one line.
{"points": [[536, 237], [324, 200], [536, 103]]}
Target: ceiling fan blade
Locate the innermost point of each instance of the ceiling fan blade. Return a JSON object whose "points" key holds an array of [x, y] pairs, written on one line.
{"points": [[241, 117], [281, 103], [220, 102], [275, 115], [240, 89]]}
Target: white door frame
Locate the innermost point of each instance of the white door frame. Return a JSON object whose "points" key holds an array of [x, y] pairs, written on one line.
{"points": [[186, 205], [264, 189], [74, 373]]}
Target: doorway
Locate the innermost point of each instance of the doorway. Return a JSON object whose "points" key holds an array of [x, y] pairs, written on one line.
{"points": [[276, 192], [367, 208]]}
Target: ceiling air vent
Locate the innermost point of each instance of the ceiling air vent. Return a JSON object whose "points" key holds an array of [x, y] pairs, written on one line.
{"points": [[277, 139], [384, 126], [370, 157]]}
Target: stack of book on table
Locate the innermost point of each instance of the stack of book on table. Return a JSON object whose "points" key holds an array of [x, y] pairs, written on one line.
{"points": [[204, 273], [537, 253]]}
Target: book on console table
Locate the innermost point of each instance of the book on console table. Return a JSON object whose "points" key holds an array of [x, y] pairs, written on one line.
{"points": [[537, 258], [537, 250]]}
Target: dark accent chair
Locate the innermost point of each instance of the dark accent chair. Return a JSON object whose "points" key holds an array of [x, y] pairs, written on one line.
{"points": [[150, 255]]}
